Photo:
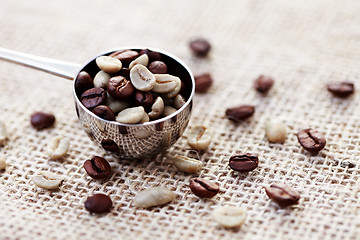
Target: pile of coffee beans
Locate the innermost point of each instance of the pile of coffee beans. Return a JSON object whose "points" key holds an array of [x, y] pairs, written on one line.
{"points": [[131, 86]]}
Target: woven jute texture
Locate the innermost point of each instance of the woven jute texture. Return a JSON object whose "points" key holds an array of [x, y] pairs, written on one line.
{"points": [[301, 44]]}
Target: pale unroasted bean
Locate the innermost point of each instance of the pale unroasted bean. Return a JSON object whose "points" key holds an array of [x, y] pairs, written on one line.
{"points": [[187, 164], [165, 83], [2, 163], [168, 110], [143, 60], [153, 196], [275, 132], [108, 64], [57, 147], [116, 105], [47, 180], [130, 115], [174, 92], [141, 78], [101, 79], [179, 101], [145, 118], [3, 133], [157, 108], [229, 216], [200, 137]]}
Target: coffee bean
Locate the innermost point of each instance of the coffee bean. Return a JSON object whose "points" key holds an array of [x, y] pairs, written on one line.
{"points": [[229, 216], [125, 56], [168, 110], [93, 97], [109, 145], [203, 82], [144, 99], [165, 83], [157, 108], [311, 140], [41, 120], [83, 82], [275, 132], [108, 64], [176, 90], [98, 203], [153, 56], [282, 194], [104, 112], [47, 180], [130, 115], [143, 60], [240, 112], [187, 164], [125, 72], [144, 119], [57, 147], [200, 137], [153, 196], [200, 47], [116, 105], [97, 168], [244, 162], [3, 133], [101, 79], [141, 78], [203, 188], [263, 84], [341, 89], [158, 67], [120, 88]]}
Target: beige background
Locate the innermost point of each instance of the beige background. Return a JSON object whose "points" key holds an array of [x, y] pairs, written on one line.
{"points": [[301, 44]]}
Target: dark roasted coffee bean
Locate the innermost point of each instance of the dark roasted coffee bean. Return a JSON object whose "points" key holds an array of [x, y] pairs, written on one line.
{"points": [[282, 194], [200, 47], [98, 203], [263, 83], [203, 82], [144, 99], [41, 120], [93, 97], [97, 168], [109, 145], [153, 56], [244, 162], [341, 89], [83, 82], [120, 88], [125, 72], [203, 188], [240, 113], [125, 56], [104, 112], [311, 140], [157, 67]]}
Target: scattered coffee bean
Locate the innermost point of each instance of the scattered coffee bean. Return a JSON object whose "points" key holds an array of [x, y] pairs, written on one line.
{"points": [[165, 83], [229, 216], [158, 67], [200, 137], [240, 113], [125, 56], [143, 60], [263, 83], [3, 133], [153, 56], [47, 180], [200, 47], [93, 97], [203, 188], [179, 101], [97, 167], [108, 64], [144, 99], [187, 164], [101, 79], [141, 78], [57, 147], [275, 132], [244, 162], [98, 203], [311, 140], [203, 82], [157, 108], [42, 120], [130, 115], [348, 164], [2, 163], [83, 82], [153, 196], [120, 88], [282, 194], [341, 89], [104, 112]]}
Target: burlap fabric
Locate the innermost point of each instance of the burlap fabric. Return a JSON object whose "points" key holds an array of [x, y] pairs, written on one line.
{"points": [[301, 44]]}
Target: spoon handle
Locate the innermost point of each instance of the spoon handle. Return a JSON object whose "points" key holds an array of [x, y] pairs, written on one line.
{"points": [[59, 68]]}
